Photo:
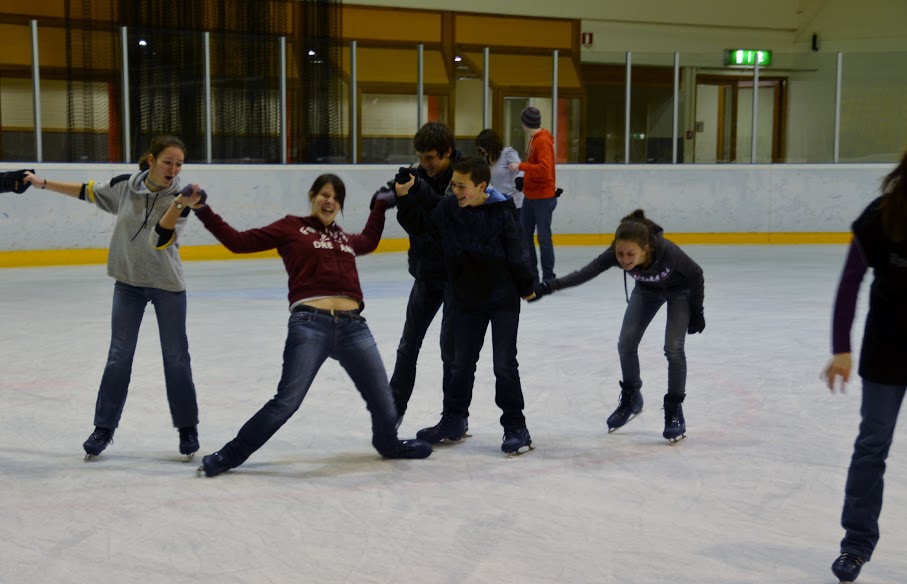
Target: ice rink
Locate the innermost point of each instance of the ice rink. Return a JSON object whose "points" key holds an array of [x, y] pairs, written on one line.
{"points": [[753, 495]]}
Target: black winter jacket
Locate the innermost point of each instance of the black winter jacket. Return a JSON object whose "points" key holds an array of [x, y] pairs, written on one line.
{"points": [[485, 253], [425, 257]]}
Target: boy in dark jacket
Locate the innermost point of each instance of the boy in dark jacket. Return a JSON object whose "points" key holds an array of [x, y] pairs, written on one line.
{"points": [[488, 272], [436, 148]]}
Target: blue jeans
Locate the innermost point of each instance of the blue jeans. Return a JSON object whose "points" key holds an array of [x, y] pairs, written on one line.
{"points": [[469, 336], [128, 309], [535, 215], [311, 339], [425, 298], [863, 492], [644, 304]]}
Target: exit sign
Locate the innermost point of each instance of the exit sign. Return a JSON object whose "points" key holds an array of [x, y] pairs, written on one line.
{"points": [[748, 58]]}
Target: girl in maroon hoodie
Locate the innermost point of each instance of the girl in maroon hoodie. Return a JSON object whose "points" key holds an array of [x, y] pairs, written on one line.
{"points": [[325, 321]]}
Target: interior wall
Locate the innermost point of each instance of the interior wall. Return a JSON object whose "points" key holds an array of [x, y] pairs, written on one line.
{"points": [[746, 199]]}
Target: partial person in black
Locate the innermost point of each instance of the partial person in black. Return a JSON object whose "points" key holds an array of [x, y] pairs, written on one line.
{"points": [[880, 243]]}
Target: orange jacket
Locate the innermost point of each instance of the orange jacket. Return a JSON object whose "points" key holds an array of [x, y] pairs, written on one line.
{"points": [[538, 169]]}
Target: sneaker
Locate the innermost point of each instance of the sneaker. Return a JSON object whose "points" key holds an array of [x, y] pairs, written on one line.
{"points": [[847, 567], [516, 441], [629, 406], [451, 428], [411, 449], [675, 425], [98, 441], [189, 440], [214, 464]]}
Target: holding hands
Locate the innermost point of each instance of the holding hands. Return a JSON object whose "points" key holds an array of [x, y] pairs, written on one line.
{"points": [[539, 290], [192, 196], [15, 181], [513, 166], [384, 194]]}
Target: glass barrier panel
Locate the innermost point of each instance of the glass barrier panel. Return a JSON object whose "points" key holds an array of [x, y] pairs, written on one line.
{"points": [[652, 109], [873, 107]]}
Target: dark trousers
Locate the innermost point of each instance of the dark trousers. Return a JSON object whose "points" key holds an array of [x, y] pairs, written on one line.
{"points": [[644, 304], [129, 304], [535, 216], [312, 338], [863, 492], [469, 336], [425, 298]]}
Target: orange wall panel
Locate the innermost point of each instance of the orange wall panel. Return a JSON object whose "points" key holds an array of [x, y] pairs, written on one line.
{"points": [[513, 32], [368, 24]]}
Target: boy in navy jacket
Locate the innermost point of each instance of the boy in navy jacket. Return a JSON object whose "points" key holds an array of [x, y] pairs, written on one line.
{"points": [[488, 271]]}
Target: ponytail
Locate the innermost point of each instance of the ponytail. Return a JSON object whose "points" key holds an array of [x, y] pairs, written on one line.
{"points": [[638, 228]]}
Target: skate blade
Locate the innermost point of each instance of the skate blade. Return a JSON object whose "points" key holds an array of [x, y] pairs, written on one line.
{"points": [[90, 457], [447, 441], [521, 451], [678, 440], [188, 457]]}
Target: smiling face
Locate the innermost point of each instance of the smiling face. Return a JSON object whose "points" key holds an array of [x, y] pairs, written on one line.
{"points": [[630, 254], [434, 163], [166, 166], [325, 205], [467, 192]]}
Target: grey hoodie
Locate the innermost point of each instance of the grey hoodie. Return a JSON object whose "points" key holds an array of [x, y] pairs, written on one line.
{"points": [[136, 256]]}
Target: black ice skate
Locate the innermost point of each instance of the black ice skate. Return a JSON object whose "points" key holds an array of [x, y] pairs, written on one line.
{"points": [[675, 426], [97, 442], [516, 441], [410, 449], [213, 465], [629, 406], [189, 442], [450, 429], [847, 567]]}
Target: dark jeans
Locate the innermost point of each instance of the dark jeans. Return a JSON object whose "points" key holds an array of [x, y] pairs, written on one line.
{"points": [[311, 339], [863, 492], [469, 336], [128, 309], [535, 215], [425, 298], [644, 304]]}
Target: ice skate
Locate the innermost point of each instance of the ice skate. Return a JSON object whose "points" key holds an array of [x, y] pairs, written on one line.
{"points": [[847, 567], [189, 442], [516, 441], [213, 465], [675, 425], [449, 430], [629, 406], [97, 442], [410, 449]]}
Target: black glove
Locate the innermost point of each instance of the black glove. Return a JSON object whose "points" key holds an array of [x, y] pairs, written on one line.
{"points": [[14, 181], [518, 183], [557, 192], [697, 322], [404, 174], [541, 289], [202, 201], [384, 194]]}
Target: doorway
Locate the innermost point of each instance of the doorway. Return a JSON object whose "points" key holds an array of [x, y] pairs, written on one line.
{"points": [[724, 114]]}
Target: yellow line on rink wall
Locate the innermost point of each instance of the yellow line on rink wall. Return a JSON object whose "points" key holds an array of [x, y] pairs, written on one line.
{"points": [[66, 257]]}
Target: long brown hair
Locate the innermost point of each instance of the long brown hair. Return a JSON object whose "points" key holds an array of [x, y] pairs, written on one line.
{"points": [[894, 203], [158, 144]]}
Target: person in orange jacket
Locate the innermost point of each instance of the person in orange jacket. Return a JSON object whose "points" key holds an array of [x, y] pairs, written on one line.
{"points": [[539, 190]]}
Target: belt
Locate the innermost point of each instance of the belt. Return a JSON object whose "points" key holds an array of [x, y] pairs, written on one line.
{"points": [[350, 314]]}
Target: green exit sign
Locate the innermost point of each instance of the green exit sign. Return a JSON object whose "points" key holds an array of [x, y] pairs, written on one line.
{"points": [[748, 58]]}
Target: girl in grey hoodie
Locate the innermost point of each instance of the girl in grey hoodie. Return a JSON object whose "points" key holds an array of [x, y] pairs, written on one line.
{"points": [[144, 261]]}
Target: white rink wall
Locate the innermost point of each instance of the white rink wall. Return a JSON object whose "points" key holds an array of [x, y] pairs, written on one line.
{"points": [[683, 198]]}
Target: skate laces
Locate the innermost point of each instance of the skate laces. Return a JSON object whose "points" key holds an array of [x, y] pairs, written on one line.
{"points": [[101, 435], [850, 558]]}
